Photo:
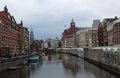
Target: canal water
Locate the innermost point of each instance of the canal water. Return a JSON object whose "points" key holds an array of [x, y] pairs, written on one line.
{"points": [[58, 66]]}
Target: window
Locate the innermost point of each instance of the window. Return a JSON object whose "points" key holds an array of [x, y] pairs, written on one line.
{"points": [[0, 23], [9, 17]]}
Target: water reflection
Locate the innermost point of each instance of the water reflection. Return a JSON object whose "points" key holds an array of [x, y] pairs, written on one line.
{"points": [[33, 66], [58, 66], [22, 73], [72, 65]]}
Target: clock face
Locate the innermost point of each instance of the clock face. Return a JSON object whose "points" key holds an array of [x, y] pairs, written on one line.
{"points": [[72, 23]]}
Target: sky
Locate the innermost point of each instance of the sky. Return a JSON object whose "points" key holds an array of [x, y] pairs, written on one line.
{"points": [[47, 18]]}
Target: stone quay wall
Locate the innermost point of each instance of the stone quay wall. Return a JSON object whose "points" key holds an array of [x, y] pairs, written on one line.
{"points": [[107, 58], [12, 62]]}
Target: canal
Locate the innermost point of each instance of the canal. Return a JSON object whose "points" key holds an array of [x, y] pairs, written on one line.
{"points": [[58, 66]]}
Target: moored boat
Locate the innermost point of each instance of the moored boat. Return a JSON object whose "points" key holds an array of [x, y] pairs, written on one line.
{"points": [[34, 58], [14, 68]]}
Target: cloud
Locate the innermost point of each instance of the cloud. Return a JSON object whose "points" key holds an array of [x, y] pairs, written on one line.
{"points": [[48, 17]]}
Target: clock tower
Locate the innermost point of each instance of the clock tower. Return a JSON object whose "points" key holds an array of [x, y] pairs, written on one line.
{"points": [[31, 36], [72, 24]]}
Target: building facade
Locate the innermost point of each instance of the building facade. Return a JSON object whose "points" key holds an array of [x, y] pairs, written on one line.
{"points": [[83, 38], [104, 30], [110, 35], [26, 38], [68, 33], [11, 35], [21, 37], [70, 41], [94, 37], [106, 23], [32, 41], [116, 32], [54, 43], [95, 24]]}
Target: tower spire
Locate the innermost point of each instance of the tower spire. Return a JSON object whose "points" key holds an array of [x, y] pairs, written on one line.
{"points": [[5, 9], [72, 20], [72, 23], [31, 36]]}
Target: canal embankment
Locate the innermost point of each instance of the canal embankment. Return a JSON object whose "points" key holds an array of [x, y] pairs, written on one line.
{"points": [[10, 62], [14, 61], [107, 59], [108, 68]]}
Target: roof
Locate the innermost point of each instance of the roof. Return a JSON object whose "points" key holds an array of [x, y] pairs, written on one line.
{"points": [[116, 21], [110, 19], [81, 28]]}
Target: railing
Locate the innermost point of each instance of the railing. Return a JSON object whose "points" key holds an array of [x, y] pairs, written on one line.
{"points": [[108, 56]]}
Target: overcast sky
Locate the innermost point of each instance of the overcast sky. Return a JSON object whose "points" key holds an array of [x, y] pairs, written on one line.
{"points": [[48, 17]]}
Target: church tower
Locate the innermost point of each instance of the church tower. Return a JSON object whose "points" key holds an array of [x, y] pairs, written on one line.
{"points": [[72, 24], [31, 36]]}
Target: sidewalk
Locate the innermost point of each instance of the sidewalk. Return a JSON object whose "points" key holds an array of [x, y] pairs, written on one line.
{"points": [[14, 58]]}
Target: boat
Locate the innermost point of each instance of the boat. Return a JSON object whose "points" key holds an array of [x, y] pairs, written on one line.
{"points": [[34, 58], [14, 67]]}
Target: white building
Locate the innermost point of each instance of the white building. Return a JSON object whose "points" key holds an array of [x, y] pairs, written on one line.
{"points": [[46, 44], [83, 38], [69, 41], [54, 43]]}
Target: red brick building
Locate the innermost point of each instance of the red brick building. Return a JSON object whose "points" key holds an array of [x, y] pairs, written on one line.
{"points": [[105, 31], [100, 35], [70, 31], [11, 34], [21, 37]]}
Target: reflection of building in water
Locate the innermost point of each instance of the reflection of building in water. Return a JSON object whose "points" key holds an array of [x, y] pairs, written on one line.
{"points": [[21, 73], [99, 73], [54, 57], [33, 66], [49, 58], [72, 63]]}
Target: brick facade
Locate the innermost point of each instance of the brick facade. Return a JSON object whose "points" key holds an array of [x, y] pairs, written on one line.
{"points": [[68, 32], [105, 32], [11, 34], [100, 35]]}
